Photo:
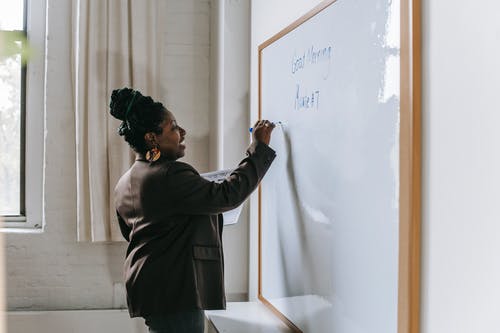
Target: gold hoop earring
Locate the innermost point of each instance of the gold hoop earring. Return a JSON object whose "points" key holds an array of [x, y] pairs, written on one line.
{"points": [[153, 154]]}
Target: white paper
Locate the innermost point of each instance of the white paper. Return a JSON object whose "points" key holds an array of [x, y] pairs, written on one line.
{"points": [[231, 216]]}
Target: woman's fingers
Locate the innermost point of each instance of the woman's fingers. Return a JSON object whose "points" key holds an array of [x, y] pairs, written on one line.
{"points": [[262, 130], [265, 123]]}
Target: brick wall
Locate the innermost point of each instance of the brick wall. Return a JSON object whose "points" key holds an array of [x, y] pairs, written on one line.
{"points": [[51, 271]]}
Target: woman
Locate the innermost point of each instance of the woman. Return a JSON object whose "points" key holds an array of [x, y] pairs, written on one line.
{"points": [[171, 216]]}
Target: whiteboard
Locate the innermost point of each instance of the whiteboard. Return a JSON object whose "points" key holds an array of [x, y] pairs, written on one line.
{"points": [[329, 205]]}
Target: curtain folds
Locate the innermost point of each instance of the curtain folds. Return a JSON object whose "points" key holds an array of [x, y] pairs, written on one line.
{"points": [[116, 43]]}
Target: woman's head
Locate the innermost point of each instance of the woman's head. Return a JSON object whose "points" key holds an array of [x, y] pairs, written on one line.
{"points": [[146, 124]]}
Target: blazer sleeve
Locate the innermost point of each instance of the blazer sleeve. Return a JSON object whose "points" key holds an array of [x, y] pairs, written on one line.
{"points": [[192, 194], [124, 228]]}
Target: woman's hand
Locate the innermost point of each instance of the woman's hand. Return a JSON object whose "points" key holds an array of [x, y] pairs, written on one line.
{"points": [[262, 131]]}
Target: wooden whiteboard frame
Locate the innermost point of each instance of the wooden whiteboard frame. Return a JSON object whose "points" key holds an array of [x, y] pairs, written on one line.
{"points": [[410, 165]]}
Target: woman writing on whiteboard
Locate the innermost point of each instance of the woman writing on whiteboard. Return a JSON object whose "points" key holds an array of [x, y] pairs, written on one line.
{"points": [[171, 216]]}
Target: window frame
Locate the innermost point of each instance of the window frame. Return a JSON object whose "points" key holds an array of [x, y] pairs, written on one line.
{"points": [[31, 217]]}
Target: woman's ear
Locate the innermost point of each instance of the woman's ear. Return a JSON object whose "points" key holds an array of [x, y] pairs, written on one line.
{"points": [[150, 139]]}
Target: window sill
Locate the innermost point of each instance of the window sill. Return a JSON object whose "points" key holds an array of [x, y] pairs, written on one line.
{"points": [[20, 225]]}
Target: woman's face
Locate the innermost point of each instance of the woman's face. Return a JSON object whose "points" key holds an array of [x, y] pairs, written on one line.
{"points": [[171, 140]]}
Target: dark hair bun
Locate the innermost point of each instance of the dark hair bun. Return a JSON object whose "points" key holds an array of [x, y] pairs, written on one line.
{"points": [[139, 115], [120, 102]]}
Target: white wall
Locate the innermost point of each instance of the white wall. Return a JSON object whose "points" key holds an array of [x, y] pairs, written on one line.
{"points": [[461, 184], [229, 137], [461, 154], [236, 138], [186, 74], [51, 271]]}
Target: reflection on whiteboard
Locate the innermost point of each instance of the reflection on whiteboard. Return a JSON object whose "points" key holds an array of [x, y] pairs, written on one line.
{"points": [[231, 216], [329, 203]]}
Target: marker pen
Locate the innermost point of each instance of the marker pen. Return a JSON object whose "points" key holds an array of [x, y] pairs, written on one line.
{"points": [[276, 123]]}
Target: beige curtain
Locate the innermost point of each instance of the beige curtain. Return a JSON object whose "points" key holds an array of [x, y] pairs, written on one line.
{"points": [[116, 43]]}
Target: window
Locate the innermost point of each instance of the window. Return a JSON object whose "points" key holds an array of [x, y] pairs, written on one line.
{"points": [[12, 79], [21, 113]]}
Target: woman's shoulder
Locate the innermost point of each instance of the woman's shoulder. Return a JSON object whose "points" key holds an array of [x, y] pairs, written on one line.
{"points": [[175, 167], [158, 175]]}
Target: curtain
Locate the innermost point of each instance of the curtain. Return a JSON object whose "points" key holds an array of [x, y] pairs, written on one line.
{"points": [[116, 43]]}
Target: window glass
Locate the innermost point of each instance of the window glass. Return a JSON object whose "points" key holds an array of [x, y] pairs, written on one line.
{"points": [[11, 85], [10, 135], [11, 14]]}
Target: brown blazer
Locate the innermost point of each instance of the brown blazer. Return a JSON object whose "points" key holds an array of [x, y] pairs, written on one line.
{"points": [[171, 217]]}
